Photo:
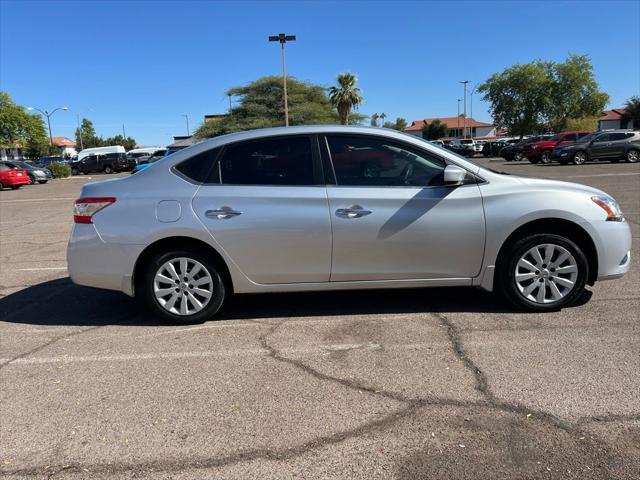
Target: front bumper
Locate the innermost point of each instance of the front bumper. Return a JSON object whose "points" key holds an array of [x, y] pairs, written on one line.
{"points": [[94, 263], [613, 244]]}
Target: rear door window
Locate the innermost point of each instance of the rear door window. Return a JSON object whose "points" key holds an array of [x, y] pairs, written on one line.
{"points": [[273, 161], [617, 136], [198, 167]]}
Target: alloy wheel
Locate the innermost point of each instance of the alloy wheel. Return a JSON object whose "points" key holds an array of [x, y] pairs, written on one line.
{"points": [[183, 286], [579, 158], [546, 273], [546, 157], [633, 156]]}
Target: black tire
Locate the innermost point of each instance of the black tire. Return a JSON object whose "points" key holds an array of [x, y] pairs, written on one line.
{"points": [[32, 179], [633, 155], [580, 157], [508, 262], [534, 160], [75, 171], [518, 157], [15, 187], [108, 169], [545, 157], [42, 182], [146, 288]]}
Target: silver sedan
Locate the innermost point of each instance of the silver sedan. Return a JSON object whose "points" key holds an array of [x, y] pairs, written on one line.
{"points": [[331, 207]]}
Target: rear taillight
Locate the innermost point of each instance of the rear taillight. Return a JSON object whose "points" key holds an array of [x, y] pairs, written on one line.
{"points": [[85, 208]]}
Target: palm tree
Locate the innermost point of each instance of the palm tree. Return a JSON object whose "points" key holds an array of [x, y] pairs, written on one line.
{"points": [[632, 111], [374, 120], [382, 117], [345, 96]]}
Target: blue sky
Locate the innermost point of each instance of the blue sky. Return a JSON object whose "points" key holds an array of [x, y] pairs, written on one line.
{"points": [[147, 63]]}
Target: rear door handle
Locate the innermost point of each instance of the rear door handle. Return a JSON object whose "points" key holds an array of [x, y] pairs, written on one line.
{"points": [[222, 213], [354, 211]]}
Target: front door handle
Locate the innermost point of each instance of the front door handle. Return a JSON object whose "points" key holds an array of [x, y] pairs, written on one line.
{"points": [[354, 211], [222, 213]]}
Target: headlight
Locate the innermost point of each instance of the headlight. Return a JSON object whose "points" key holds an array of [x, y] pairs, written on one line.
{"points": [[610, 206], [535, 146]]}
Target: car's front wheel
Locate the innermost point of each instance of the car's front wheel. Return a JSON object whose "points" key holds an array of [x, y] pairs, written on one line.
{"points": [[633, 155], [183, 287], [543, 272], [108, 169], [75, 171], [546, 156]]}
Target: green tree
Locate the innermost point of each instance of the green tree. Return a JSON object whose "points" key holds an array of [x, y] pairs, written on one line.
{"points": [[584, 123], [128, 143], [632, 111], [345, 97], [574, 92], [260, 104], [36, 138], [374, 120], [90, 138], [400, 124], [541, 95], [19, 128], [434, 130]]}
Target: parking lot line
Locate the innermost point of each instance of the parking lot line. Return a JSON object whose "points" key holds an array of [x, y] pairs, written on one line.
{"points": [[21, 200], [600, 175], [40, 268]]}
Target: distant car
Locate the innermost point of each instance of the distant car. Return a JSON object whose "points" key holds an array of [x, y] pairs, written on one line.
{"points": [[492, 149], [47, 161], [613, 145], [515, 151], [107, 163], [540, 151], [12, 176], [157, 155], [461, 148], [36, 174]]}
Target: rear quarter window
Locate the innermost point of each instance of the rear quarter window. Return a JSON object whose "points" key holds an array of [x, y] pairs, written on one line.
{"points": [[197, 168]]}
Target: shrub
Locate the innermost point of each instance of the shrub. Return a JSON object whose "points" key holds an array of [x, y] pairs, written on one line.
{"points": [[59, 170]]}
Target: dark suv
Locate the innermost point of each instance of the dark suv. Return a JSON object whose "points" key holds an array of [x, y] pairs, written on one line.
{"points": [[103, 162], [614, 145]]}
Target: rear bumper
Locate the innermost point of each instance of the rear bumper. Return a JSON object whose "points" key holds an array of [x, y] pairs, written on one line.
{"points": [[15, 181], [94, 263]]}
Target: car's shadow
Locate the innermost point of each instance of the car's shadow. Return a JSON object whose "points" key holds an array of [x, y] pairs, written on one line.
{"points": [[59, 302]]}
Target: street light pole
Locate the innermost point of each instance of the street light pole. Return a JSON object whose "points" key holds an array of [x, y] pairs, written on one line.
{"points": [[79, 131], [464, 120], [458, 117], [282, 38], [186, 117], [471, 106], [48, 114]]}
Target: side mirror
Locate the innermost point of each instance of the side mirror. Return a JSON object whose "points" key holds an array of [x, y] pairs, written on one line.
{"points": [[454, 175]]}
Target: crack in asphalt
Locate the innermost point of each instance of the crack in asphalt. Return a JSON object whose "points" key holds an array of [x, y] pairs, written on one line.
{"points": [[410, 407]]}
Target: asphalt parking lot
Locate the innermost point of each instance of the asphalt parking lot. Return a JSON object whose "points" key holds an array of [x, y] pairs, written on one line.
{"points": [[429, 383]]}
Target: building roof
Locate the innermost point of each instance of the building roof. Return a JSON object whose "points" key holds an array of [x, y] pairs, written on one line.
{"points": [[450, 122], [62, 142], [614, 114], [183, 142]]}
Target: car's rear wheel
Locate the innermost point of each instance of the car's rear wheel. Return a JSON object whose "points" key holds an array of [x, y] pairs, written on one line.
{"points": [[518, 157], [15, 187], [75, 171], [183, 287], [633, 155], [108, 169], [32, 179], [543, 272], [546, 156], [579, 158], [42, 182]]}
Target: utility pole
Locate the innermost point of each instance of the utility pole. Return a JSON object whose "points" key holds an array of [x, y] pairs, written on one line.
{"points": [[471, 106], [229, 95], [79, 132], [186, 117], [282, 38], [124, 135], [464, 120]]}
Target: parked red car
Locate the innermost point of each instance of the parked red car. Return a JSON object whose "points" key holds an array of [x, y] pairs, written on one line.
{"points": [[12, 177], [541, 151]]}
